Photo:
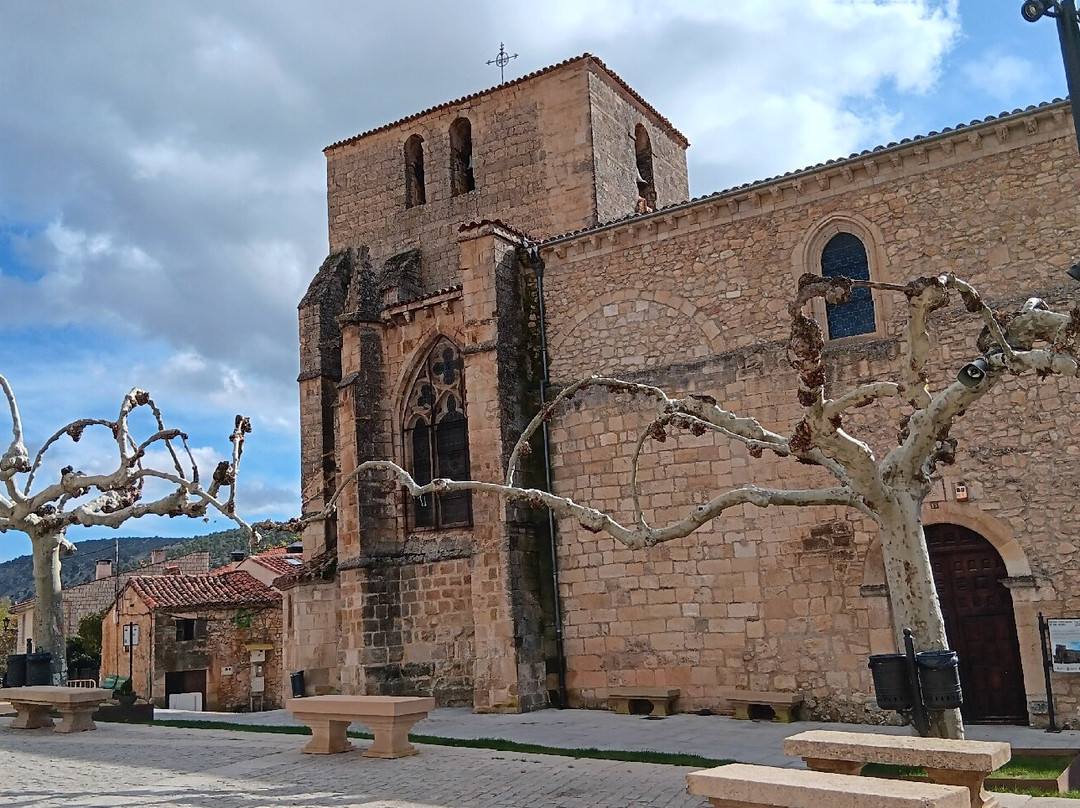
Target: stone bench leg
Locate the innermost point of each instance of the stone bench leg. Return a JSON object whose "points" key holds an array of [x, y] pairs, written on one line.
{"points": [[742, 711], [76, 719], [833, 766], [327, 736], [972, 781], [661, 707], [622, 706], [785, 713], [31, 716], [391, 736]]}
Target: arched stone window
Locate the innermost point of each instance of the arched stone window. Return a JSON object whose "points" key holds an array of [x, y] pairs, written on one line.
{"points": [[644, 159], [437, 437], [845, 255], [462, 179], [414, 172]]}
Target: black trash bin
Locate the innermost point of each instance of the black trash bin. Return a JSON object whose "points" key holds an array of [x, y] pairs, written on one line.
{"points": [[16, 670], [297, 680], [39, 668], [939, 679], [892, 688]]}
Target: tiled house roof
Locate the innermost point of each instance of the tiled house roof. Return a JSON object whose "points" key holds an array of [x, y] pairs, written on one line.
{"points": [[226, 589], [279, 560], [320, 567]]}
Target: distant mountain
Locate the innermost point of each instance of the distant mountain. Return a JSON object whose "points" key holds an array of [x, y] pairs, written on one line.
{"points": [[17, 575]]}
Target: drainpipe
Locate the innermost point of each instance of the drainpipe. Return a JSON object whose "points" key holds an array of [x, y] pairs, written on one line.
{"points": [[537, 264]]}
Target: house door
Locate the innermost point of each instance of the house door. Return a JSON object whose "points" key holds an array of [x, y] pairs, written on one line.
{"points": [[185, 682], [980, 624]]}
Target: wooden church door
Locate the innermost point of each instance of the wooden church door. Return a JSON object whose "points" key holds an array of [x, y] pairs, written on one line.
{"points": [[980, 623]]}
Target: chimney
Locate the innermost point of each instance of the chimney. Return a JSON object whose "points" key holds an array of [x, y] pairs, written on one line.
{"points": [[236, 555], [103, 569], [157, 556], [172, 569]]}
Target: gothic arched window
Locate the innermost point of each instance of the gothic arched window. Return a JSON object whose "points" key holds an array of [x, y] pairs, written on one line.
{"points": [[462, 179], [845, 255], [414, 172], [437, 437]]}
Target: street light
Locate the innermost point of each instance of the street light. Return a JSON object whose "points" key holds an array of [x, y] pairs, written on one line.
{"points": [[1064, 11]]}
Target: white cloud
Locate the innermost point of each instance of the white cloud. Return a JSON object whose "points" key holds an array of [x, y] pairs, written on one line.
{"points": [[998, 75]]}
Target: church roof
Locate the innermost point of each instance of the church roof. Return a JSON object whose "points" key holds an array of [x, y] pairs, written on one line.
{"points": [[614, 77], [905, 143]]}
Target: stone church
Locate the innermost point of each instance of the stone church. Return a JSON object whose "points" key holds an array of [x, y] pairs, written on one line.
{"points": [[492, 249]]}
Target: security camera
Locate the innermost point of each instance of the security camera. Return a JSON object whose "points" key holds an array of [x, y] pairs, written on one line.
{"points": [[973, 373], [1032, 10]]}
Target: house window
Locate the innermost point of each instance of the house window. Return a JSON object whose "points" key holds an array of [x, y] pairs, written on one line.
{"points": [[437, 437], [414, 172], [646, 188], [185, 629], [845, 256], [462, 179]]}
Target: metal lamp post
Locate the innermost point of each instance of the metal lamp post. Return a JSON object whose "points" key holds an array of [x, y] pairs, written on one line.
{"points": [[1064, 12]]}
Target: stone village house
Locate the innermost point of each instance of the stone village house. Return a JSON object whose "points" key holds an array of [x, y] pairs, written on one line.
{"points": [[421, 341], [92, 597], [218, 635]]}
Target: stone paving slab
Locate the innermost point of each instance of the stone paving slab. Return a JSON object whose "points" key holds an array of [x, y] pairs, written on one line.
{"points": [[164, 767]]}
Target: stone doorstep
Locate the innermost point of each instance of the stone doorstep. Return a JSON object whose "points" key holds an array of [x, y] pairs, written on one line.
{"points": [[357, 706], [741, 783], [864, 747]]}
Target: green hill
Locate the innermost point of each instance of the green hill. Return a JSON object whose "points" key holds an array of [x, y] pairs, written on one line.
{"points": [[17, 575]]}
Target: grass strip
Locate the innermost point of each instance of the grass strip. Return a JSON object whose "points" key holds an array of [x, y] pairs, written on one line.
{"points": [[494, 744]]}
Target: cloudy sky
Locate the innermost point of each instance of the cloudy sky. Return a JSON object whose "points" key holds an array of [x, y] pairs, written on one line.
{"points": [[162, 183]]}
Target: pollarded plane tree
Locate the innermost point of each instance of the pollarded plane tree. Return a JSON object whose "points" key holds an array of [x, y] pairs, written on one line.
{"points": [[103, 499], [889, 489]]}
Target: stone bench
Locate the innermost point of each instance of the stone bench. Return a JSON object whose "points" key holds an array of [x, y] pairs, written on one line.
{"points": [[76, 706], [781, 706], [959, 763], [388, 717], [740, 785], [661, 699]]}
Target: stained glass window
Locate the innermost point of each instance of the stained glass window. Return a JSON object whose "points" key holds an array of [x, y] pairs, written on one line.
{"points": [[845, 256], [437, 437]]}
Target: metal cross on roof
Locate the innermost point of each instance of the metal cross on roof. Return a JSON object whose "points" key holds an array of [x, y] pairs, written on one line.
{"points": [[502, 60]]}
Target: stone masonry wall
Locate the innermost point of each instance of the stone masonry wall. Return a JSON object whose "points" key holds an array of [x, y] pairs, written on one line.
{"points": [[695, 300], [614, 118]]}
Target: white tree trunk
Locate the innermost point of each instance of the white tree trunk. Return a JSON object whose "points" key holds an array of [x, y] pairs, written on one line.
{"points": [[912, 594], [48, 604]]}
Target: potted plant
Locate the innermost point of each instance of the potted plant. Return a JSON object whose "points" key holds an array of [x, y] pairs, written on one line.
{"points": [[124, 693]]}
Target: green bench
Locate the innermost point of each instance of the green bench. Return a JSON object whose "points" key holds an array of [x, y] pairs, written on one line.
{"points": [[115, 683]]}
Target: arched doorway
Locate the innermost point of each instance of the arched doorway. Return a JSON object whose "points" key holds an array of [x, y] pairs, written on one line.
{"points": [[980, 623]]}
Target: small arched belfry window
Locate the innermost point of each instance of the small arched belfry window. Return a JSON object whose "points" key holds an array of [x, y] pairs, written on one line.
{"points": [[462, 179], [845, 255], [643, 157], [414, 172], [437, 437]]}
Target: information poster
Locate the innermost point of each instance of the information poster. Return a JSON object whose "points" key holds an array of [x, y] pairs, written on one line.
{"points": [[1065, 645]]}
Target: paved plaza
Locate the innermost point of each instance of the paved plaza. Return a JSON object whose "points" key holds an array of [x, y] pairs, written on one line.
{"points": [[168, 767]]}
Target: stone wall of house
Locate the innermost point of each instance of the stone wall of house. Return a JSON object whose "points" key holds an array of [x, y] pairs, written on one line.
{"points": [[310, 639], [222, 646], [123, 661], [695, 300]]}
